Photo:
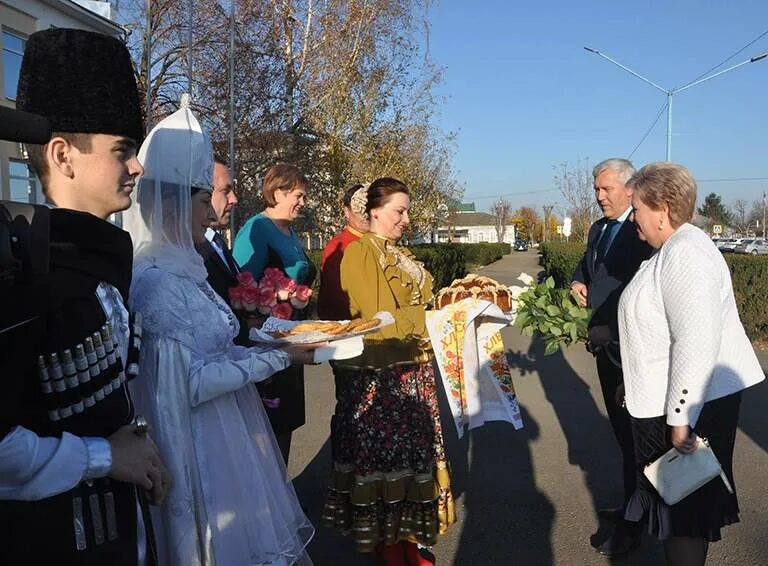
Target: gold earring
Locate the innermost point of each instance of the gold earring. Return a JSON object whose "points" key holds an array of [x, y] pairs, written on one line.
{"points": [[661, 224]]}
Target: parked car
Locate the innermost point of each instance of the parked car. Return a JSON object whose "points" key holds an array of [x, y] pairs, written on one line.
{"points": [[720, 242], [728, 244], [752, 247], [520, 245]]}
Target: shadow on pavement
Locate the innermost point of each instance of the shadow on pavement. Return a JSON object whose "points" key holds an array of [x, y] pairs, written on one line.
{"points": [[508, 520], [591, 443], [752, 416], [328, 548]]}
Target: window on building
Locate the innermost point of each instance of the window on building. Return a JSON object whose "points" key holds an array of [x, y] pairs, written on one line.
{"points": [[13, 51], [25, 187]]}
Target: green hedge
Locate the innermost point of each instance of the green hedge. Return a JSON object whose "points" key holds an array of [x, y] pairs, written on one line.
{"points": [[748, 273], [483, 253], [445, 262], [750, 285], [559, 259]]}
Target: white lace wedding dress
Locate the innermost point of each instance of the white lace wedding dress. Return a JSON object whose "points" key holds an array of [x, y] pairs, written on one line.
{"points": [[232, 503]]}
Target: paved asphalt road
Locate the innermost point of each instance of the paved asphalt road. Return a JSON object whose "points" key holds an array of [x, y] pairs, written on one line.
{"points": [[528, 497]]}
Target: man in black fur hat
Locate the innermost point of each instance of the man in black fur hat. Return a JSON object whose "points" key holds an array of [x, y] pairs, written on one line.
{"points": [[75, 472]]}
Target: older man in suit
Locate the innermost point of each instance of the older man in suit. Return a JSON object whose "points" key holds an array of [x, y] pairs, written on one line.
{"points": [[614, 253]]}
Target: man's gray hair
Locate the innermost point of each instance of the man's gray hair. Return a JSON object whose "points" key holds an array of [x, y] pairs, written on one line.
{"points": [[622, 167]]}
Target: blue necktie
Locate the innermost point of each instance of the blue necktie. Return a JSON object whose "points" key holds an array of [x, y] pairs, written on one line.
{"points": [[227, 258], [605, 240]]}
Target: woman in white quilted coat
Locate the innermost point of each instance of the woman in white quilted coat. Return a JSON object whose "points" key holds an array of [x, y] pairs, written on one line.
{"points": [[686, 359]]}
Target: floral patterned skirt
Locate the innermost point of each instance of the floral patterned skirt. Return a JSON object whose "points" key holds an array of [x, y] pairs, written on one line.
{"points": [[390, 478]]}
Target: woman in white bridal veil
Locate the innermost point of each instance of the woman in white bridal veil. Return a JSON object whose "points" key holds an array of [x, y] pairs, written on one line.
{"points": [[232, 503]]}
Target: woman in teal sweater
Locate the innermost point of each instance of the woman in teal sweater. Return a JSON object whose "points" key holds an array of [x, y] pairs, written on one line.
{"points": [[267, 240]]}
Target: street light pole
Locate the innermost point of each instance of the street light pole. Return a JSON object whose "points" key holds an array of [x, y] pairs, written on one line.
{"points": [[232, 160], [669, 127], [670, 92]]}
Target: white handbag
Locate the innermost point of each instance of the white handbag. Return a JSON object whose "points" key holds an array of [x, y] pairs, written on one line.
{"points": [[676, 475]]}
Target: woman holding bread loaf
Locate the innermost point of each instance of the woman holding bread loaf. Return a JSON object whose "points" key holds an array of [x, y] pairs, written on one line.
{"points": [[387, 440]]}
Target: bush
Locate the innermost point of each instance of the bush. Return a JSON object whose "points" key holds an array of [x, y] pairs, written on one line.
{"points": [[750, 286], [315, 256], [748, 273], [445, 262], [559, 260], [484, 253]]}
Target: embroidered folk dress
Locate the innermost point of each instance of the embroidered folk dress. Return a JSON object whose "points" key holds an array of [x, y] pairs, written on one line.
{"points": [[231, 501], [390, 479]]}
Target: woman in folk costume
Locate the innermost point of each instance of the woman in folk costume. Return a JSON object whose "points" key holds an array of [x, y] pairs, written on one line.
{"points": [[390, 486], [232, 503]]}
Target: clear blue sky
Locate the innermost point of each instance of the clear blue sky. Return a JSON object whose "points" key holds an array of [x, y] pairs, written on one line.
{"points": [[523, 95]]}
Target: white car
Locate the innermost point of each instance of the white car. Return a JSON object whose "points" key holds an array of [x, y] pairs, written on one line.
{"points": [[728, 244], [752, 247], [720, 242]]}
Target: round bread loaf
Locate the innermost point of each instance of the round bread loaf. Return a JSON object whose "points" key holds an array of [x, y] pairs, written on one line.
{"points": [[478, 287]]}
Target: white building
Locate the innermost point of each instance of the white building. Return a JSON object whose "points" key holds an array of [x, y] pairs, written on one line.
{"points": [[18, 20], [469, 227]]}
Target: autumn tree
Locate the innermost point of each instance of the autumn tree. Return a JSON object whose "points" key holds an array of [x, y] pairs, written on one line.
{"points": [[551, 225], [576, 184], [526, 221], [341, 88]]}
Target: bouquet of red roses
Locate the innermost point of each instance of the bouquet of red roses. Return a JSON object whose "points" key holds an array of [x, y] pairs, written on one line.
{"points": [[275, 294]]}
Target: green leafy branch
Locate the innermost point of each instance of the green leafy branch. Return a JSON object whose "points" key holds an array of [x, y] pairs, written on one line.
{"points": [[554, 314]]}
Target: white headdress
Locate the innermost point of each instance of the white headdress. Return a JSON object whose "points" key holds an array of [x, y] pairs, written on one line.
{"points": [[359, 201], [177, 155]]}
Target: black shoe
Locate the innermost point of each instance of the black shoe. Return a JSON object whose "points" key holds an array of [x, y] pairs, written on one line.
{"points": [[613, 514], [618, 544]]}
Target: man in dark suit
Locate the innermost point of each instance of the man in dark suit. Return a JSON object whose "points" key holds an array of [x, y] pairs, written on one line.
{"points": [[221, 266], [614, 253]]}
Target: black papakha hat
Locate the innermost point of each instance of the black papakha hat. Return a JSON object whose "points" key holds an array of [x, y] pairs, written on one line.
{"points": [[82, 82]]}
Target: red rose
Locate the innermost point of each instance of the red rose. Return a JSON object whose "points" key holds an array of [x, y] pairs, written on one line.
{"points": [[282, 310], [245, 279], [285, 289], [271, 277], [266, 298], [301, 296], [250, 299], [236, 297], [303, 293]]}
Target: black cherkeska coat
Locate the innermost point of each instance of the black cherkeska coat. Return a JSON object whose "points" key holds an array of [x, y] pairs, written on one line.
{"points": [[89, 400]]}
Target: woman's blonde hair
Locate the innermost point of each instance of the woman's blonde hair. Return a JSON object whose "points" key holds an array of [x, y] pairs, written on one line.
{"points": [[662, 183], [282, 177]]}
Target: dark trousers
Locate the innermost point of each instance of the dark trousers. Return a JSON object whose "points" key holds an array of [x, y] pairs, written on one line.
{"points": [[611, 377]]}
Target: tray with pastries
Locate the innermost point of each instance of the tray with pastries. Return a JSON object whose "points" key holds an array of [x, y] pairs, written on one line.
{"points": [[279, 331], [475, 286]]}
